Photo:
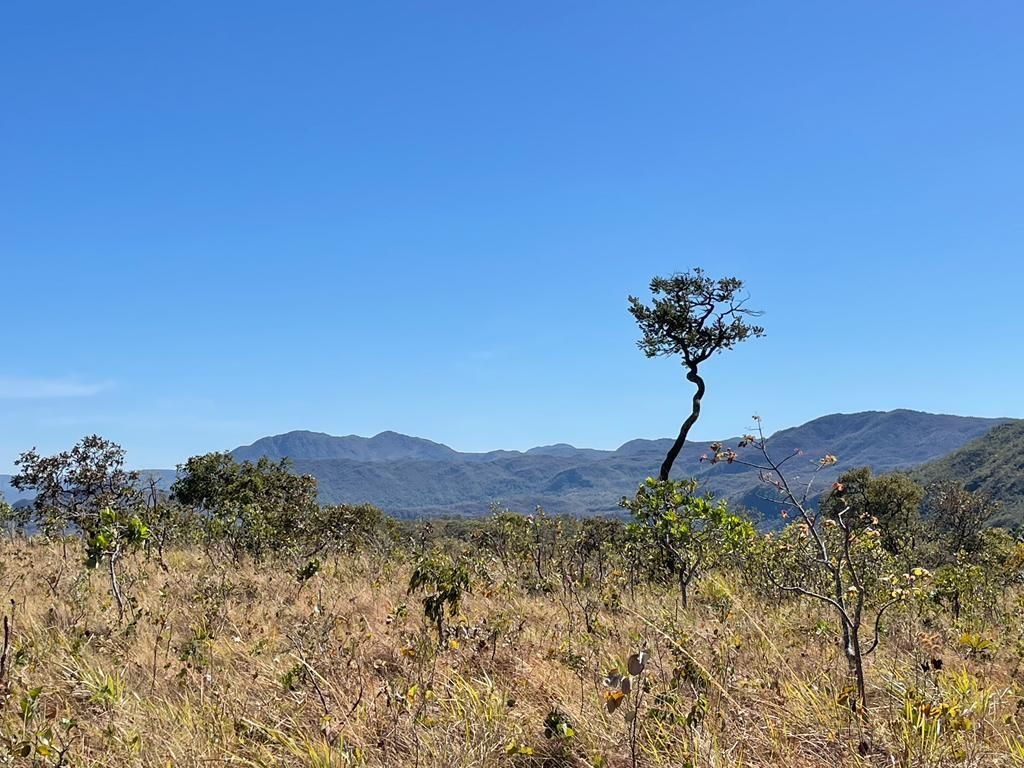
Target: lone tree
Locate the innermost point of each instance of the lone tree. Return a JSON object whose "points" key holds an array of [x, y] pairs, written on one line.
{"points": [[889, 502], [694, 316], [74, 487], [257, 508]]}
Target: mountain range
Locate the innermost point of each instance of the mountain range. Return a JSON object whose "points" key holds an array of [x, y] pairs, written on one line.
{"points": [[411, 476]]}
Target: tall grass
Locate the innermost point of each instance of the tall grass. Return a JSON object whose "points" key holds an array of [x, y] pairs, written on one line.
{"points": [[244, 666]]}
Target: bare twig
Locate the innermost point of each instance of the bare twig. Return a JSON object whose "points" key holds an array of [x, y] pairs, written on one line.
{"points": [[5, 649]]}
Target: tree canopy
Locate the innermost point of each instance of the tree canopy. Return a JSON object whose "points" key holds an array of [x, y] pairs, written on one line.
{"points": [[693, 316]]}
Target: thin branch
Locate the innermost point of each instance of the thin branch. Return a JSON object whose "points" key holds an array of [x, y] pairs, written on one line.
{"points": [[878, 623]]}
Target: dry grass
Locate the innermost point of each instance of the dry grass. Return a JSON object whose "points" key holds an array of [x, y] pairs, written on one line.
{"points": [[239, 666]]}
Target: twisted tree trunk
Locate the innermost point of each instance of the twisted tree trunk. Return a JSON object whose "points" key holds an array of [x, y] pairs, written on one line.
{"points": [[677, 446]]}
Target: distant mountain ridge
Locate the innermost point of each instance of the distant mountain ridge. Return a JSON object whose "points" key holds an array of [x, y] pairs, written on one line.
{"points": [[412, 476], [385, 446]]}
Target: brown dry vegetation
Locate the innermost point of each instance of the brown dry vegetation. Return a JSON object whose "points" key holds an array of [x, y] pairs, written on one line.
{"points": [[241, 666]]}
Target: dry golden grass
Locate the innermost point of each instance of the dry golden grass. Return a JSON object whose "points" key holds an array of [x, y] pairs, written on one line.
{"points": [[241, 666]]}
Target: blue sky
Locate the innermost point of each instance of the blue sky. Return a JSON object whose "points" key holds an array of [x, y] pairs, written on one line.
{"points": [[223, 220]]}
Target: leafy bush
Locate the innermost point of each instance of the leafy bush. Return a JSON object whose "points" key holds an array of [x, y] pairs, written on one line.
{"points": [[692, 533], [443, 581]]}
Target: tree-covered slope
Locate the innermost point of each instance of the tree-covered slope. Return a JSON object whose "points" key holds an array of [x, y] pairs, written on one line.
{"points": [[993, 464]]}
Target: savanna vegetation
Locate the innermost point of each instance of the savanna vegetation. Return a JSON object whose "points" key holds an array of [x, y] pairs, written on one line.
{"points": [[234, 620]]}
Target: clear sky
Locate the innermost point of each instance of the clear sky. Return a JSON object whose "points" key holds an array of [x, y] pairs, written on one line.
{"points": [[220, 221]]}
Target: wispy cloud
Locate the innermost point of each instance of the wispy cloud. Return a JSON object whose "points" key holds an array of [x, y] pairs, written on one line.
{"points": [[23, 388]]}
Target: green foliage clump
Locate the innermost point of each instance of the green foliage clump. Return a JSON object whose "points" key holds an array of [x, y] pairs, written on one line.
{"points": [[12, 519], [254, 508], [116, 533], [444, 581], [690, 532], [890, 503]]}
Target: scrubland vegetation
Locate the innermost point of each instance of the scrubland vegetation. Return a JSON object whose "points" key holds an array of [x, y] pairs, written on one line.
{"points": [[238, 622]]}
